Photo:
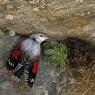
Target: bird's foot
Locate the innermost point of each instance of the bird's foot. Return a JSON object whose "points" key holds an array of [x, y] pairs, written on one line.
{"points": [[15, 78]]}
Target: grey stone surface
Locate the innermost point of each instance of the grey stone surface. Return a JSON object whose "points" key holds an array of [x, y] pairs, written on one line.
{"points": [[52, 90], [2, 78], [57, 18]]}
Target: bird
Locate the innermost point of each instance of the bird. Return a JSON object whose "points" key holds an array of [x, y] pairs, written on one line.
{"points": [[25, 57]]}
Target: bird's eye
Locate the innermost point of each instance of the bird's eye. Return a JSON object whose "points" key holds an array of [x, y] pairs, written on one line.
{"points": [[41, 35]]}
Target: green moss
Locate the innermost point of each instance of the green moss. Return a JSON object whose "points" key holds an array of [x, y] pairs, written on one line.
{"points": [[57, 53]]}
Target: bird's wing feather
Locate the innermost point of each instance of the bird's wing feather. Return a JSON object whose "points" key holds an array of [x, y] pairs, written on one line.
{"points": [[14, 58], [30, 74]]}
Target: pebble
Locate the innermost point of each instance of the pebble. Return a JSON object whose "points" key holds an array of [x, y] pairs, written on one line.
{"points": [[88, 13], [35, 9], [9, 17], [83, 14]]}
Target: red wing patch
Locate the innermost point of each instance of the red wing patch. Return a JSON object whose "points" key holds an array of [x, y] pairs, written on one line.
{"points": [[35, 67], [16, 54]]}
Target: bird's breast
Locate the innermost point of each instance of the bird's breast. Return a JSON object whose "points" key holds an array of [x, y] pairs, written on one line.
{"points": [[31, 48]]}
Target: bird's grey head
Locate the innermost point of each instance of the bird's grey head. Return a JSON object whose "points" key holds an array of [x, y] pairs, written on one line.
{"points": [[39, 37]]}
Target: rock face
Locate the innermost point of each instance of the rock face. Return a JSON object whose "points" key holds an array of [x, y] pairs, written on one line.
{"points": [[54, 17]]}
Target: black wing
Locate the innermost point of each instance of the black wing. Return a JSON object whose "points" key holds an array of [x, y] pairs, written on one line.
{"points": [[30, 74], [14, 58]]}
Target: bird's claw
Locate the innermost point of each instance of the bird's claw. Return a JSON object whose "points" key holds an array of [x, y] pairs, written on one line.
{"points": [[15, 78]]}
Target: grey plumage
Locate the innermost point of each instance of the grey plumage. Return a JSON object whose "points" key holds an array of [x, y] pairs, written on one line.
{"points": [[31, 48], [29, 52]]}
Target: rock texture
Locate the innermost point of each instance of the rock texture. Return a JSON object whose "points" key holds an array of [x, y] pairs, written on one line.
{"points": [[56, 18]]}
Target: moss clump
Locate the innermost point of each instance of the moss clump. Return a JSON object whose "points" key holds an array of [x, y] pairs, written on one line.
{"points": [[57, 53]]}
